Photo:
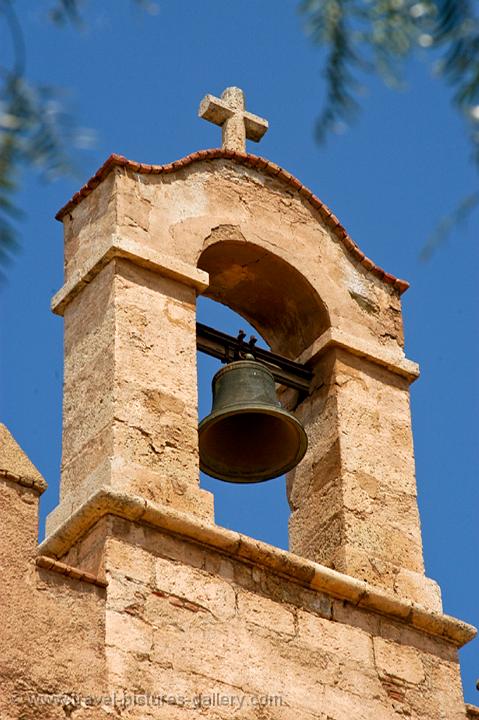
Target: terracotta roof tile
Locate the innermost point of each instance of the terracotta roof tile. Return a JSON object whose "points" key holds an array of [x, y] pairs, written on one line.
{"points": [[401, 285], [389, 278], [48, 563], [367, 263], [251, 161], [284, 175], [305, 192], [294, 182], [272, 168], [348, 243], [358, 254]]}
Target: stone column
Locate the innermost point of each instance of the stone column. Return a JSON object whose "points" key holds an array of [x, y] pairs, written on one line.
{"points": [[353, 498], [130, 397]]}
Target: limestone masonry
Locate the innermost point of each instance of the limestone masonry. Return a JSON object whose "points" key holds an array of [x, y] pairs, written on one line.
{"points": [[136, 604]]}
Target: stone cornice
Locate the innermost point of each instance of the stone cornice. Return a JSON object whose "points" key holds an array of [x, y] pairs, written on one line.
{"points": [[38, 484], [15, 466], [48, 563], [294, 568], [252, 161], [395, 361], [121, 247]]}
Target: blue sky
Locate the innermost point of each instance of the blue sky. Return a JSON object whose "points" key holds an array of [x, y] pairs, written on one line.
{"points": [[136, 80]]}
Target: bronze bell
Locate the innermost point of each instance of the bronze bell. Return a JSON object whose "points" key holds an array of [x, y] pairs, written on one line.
{"points": [[248, 437]]}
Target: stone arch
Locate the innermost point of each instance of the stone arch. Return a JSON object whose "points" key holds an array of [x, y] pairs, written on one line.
{"points": [[266, 290]]}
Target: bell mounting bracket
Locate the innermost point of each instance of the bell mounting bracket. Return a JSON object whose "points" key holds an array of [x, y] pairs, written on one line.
{"points": [[228, 349]]}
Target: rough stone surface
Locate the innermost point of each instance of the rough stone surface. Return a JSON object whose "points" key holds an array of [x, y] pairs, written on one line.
{"points": [[183, 629], [51, 636], [201, 626], [15, 465]]}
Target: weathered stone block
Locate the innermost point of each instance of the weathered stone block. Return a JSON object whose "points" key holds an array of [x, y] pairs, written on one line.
{"points": [[398, 661], [199, 588], [128, 633], [266, 613], [353, 645]]}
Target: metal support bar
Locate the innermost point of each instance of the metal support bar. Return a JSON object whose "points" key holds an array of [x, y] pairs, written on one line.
{"points": [[228, 348]]}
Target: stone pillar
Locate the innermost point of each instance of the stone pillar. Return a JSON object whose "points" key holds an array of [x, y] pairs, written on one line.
{"points": [[353, 498], [130, 398]]}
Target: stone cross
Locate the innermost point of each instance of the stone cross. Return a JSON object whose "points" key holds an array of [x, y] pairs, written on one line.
{"points": [[236, 123]]}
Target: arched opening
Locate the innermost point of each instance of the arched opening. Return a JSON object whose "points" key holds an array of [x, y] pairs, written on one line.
{"points": [[268, 292], [258, 510], [279, 304]]}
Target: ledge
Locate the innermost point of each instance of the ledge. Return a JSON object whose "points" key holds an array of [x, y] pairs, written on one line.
{"points": [[120, 247], [38, 484], [16, 466], [47, 563], [396, 362], [472, 711], [292, 567]]}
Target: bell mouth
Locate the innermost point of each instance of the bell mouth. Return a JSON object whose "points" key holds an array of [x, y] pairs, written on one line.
{"points": [[250, 445]]}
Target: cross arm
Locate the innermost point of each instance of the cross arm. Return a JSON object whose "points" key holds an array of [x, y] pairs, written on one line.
{"points": [[214, 110], [255, 126]]}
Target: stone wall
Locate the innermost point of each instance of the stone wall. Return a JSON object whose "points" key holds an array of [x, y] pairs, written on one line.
{"points": [[51, 628], [170, 617], [195, 626]]}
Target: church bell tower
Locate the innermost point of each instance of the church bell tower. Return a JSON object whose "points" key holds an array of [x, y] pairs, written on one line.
{"points": [[166, 614]]}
